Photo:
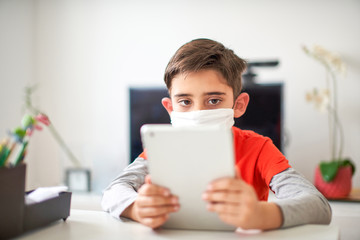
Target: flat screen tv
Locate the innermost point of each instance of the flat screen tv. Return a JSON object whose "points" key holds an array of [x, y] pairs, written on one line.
{"points": [[264, 114]]}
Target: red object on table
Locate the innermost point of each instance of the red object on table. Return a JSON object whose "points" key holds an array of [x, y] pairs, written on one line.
{"points": [[339, 187]]}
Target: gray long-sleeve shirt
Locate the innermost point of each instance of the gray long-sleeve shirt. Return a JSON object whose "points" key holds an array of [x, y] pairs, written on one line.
{"points": [[299, 201]]}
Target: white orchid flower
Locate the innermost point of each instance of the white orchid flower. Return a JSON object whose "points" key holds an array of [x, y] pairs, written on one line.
{"points": [[325, 100], [320, 98]]}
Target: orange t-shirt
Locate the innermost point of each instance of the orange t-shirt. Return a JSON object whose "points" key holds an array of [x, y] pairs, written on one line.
{"points": [[256, 158]]}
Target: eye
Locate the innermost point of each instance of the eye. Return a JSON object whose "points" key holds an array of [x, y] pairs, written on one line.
{"points": [[184, 102], [214, 101]]}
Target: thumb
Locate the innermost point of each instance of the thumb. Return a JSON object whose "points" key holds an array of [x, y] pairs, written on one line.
{"points": [[148, 179], [237, 173]]}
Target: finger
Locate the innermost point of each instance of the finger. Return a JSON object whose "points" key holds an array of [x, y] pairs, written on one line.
{"points": [[237, 173], [152, 189], [157, 211], [155, 222], [226, 184], [221, 208], [148, 179], [222, 196], [148, 201]]}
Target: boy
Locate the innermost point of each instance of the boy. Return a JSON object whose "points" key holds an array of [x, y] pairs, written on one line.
{"points": [[204, 83]]}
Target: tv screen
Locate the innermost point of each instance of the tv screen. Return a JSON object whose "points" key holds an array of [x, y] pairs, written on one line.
{"points": [[263, 115]]}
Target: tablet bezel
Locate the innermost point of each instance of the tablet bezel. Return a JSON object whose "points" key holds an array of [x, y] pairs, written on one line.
{"points": [[186, 160]]}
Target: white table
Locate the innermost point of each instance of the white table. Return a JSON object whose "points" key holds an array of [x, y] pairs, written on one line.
{"points": [[85, 224], [346, 215]]}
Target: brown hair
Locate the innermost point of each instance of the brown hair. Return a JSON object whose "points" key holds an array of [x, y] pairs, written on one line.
{"points": [[202, 54]]}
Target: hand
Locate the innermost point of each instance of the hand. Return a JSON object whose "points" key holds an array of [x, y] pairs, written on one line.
{"points": [[153, 205], [236, 203]]}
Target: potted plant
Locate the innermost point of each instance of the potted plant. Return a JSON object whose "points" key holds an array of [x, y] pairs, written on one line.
{"points": [[332, 178], [77, 171]]}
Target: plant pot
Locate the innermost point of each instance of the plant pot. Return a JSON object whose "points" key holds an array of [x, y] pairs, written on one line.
{"points": [[339, 187]]}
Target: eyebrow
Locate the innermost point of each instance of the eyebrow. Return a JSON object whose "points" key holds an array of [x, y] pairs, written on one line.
{"points": [[206, 94], [215, 93], [182, 95]]}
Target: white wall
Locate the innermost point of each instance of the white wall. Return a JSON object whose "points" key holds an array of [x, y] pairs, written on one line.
{"points": [[16, 60], [87, 53]]}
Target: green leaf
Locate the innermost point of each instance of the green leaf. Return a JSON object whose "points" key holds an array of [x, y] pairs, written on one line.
{"points": [[27, 121], [348, 162], [329, 170], [19, 132]]}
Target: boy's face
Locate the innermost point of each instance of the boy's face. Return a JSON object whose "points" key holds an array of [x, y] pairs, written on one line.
{"points": [[203, 90]]}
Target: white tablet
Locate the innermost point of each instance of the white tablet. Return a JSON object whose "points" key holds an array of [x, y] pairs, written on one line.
{"points": [[186, 160]]}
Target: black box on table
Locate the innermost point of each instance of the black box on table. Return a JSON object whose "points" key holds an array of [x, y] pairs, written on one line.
{"points": [[16, 217]]}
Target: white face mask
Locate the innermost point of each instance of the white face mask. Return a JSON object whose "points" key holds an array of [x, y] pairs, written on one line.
{"points": [[222, 118]]}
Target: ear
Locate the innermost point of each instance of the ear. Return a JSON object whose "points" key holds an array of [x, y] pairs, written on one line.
{"points": [[241, 104], [166, 102]]}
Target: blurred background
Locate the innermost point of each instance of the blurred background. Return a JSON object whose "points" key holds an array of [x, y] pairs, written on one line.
{"points": [[83, 55]]}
